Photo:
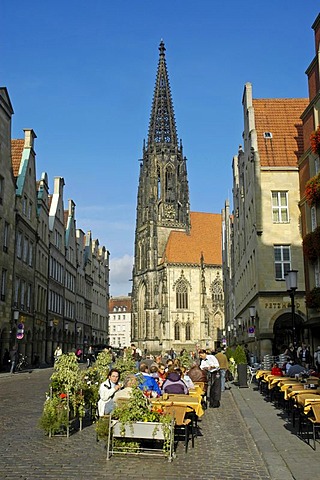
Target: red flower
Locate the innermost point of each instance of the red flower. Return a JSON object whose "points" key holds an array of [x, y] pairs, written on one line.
{"points": [[312, 191], [63, 395], [315, 141]]}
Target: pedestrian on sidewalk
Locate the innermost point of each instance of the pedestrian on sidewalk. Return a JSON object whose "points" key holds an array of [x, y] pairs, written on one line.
{"points": [[57, 353], [210, 364], [13, 358], [224, 366], [317, 358]]}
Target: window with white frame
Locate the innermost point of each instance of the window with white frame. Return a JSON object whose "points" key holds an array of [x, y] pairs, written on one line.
{"points": [[19, 244], [6, 237], [317, 273], [16, 291], [280, 209], [282, 261], [313, 214], [1, 189], [3, 284]]}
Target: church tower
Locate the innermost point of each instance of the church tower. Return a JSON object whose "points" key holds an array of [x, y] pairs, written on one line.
{"points": [[162, 206]]}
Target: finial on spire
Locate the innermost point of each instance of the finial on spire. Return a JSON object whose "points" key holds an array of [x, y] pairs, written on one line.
{"points": [[162, 48]]}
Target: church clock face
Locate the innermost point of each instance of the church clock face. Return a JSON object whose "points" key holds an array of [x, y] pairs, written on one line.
{"points": [[169, 212]]}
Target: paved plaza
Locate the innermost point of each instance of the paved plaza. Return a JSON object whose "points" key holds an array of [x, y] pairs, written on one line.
{"points": [[232, 443]]}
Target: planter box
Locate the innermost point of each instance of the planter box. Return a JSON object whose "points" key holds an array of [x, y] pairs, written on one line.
{"points": [[139, 431], [147, 430]]}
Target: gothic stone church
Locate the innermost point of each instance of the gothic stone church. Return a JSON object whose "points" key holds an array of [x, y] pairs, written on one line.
{"points": [[177, 296]]}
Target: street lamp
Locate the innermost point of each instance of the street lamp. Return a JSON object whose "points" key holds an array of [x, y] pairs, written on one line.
{"points": [[292, 284]]}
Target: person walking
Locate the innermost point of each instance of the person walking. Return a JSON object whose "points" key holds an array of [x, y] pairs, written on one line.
{"points": [[210, 364], [224, 366], [316, 357], [57, 353], [13, 358]]}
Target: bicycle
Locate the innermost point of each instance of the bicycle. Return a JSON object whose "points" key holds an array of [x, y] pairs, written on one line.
{"points": [[22, 362]]}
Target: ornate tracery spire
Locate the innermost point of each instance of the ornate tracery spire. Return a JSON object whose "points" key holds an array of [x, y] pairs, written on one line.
{"points": [[162, 127]]}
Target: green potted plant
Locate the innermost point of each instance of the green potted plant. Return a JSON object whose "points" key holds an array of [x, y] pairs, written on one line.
{"points": [[136, 419], [241, 361], [65, 401]]}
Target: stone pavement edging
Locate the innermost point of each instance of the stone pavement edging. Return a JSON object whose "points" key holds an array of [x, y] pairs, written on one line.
{"points": [[286, 456]]}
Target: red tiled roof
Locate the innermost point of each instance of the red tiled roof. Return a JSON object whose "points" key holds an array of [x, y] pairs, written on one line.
{"points": [[120, 302], [16, 154], [280, 117], [205, 238]]}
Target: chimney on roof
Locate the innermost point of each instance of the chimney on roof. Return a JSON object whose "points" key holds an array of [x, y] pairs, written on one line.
{"points": [[29, 136]]}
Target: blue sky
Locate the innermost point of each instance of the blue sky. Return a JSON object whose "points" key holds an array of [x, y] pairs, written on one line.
{"points": [[82, 74]]}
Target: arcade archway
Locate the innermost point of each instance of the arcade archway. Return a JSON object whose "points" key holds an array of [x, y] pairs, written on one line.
{"points": [[282, 331]]}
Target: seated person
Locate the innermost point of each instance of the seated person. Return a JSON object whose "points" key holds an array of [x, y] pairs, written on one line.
{"points": [[185, 377], [146, 383], [296, 369], [125, 392], [107, 391], [174, 383], [197, 375], [161, 372], [276, 370]]}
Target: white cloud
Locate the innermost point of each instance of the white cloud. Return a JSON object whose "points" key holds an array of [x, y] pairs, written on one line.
{"points": [[120, 275]]}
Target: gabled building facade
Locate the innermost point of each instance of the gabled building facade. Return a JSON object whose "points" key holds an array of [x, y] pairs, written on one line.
{"points": [[170, 294], [47, 267], [26, 227], [120, 321], [309, 170], [262, 239], [7, 223]]}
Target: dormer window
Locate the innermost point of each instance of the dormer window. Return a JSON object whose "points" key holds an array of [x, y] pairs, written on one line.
{"points": [[267, 135]]}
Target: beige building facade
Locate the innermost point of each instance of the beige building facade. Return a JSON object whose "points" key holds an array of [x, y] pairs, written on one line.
{"points": [[262, 237]]}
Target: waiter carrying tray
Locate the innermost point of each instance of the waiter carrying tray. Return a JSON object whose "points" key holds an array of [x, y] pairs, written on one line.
{"points": [[210, 364]]}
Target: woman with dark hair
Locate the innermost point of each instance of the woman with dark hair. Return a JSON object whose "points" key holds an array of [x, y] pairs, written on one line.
{"points": [[107, 391]]}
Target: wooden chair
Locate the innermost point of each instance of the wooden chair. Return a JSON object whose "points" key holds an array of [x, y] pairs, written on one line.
{"points": [[181, 423], [315, 422]]}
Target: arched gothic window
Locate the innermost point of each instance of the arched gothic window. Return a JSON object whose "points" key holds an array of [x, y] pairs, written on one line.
{"points": [[217, 291], [177, 331], [169, 185], [159, 184], [188, 331], [182, 295]]}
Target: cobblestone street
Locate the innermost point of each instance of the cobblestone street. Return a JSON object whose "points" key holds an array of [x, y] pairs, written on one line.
{"points": [[223, 450]]}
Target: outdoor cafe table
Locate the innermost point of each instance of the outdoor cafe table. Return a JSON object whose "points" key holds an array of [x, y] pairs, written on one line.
{"points": [[262, 373], [304, 400], [181, 400]]}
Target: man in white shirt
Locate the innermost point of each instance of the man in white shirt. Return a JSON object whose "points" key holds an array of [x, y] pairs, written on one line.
{"points": [[210, 364]]}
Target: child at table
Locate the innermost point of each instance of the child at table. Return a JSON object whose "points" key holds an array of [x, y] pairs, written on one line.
{"points": [[276, 370]]}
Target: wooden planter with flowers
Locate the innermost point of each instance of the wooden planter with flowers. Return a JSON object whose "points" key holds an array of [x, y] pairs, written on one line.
{"points": [[311, 245], [312, 191], [315, 141], [313, 298], [136, 427]]}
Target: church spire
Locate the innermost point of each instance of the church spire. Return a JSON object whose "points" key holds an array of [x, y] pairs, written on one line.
{"points": [[162, 126]]}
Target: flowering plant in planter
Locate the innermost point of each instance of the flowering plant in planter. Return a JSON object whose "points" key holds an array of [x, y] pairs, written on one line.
{"points": [[65, 400], [315, 141], [137, 409], [313, 298], [309, 247], [312, 190]]}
